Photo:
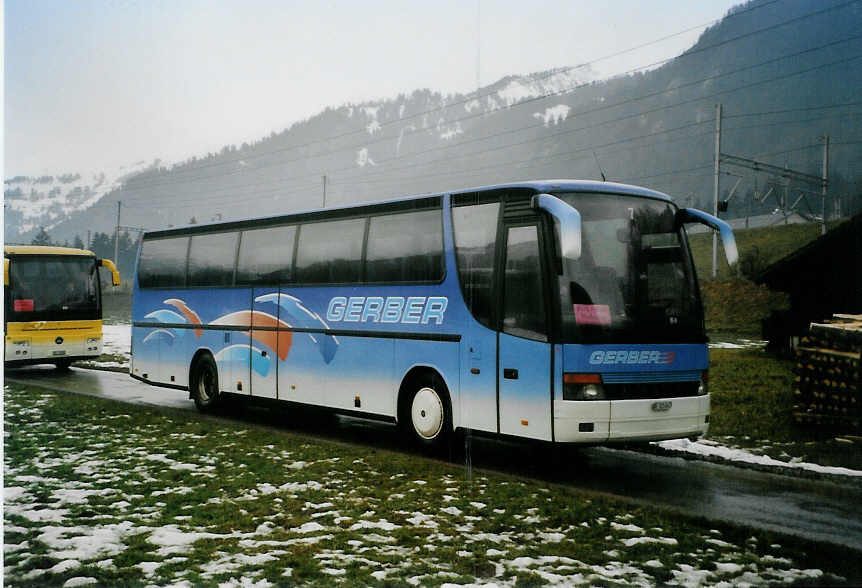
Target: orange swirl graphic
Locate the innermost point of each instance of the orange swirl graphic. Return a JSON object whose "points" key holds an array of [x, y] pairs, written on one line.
{"points": [[187, 312], [280, 340]]}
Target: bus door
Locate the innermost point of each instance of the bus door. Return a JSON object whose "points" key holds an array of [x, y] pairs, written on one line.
{"points": [[264, 344], [524, 376], [475, 229]]}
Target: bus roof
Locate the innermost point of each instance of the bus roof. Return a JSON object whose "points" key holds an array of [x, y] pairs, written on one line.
{"points": [[564, 185], [538, 186], [44, 250]]}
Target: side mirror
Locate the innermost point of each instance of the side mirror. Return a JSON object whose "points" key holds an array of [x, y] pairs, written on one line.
{"points": [[569, 219], [691, 215], [115, 275]]}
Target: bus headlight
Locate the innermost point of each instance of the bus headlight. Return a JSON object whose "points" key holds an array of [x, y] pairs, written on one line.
{"points": [[583, 387], [703, 386], [93, 343]]}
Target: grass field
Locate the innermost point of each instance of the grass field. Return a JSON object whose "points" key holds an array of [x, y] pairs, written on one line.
{"points": [[752, 391], [737, 307], [119, 495], [124, 495], [752, 403], [734, 305], [765, 245]]}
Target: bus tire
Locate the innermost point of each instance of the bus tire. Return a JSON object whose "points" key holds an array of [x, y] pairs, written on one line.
{"points": [[204, 383], [62, 365], [426, 414]]}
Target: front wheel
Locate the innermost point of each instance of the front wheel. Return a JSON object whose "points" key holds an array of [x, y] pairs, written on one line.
{"points": [[426, 415], [204, 384]]}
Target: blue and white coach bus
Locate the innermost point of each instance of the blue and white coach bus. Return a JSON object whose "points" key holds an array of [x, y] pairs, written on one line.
{"points": [[564, 311]]}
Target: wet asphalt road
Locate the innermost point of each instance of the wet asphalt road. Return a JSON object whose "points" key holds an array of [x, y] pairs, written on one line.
{"points": [[814, 509]]}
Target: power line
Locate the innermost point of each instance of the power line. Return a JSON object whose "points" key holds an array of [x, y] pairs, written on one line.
{"points": [[639, 114], [602, 123], [365, 180], [544, 159], [785, 123], [520, 163], [469, 99], [794, 110]]}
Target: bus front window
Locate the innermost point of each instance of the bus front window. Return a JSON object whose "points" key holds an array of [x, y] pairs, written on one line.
{"points": [[634, 281], [54, 288]]}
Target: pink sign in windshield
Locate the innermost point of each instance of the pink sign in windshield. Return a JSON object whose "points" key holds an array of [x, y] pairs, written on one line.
{"points": [[592, 314]]}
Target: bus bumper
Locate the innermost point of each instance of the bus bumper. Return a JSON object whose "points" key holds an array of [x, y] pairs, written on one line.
{"points": [[630, 420], [46, 342]]}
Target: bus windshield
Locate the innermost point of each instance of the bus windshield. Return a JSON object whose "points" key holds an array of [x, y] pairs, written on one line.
{"points": [[634, 281], [53, 288]]}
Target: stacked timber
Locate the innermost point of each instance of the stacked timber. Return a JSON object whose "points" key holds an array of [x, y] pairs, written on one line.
{"points": [[828, 389]]}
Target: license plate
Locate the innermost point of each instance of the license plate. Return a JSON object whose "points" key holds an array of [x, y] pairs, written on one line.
{"points": [[58, 353], [662, 406]]}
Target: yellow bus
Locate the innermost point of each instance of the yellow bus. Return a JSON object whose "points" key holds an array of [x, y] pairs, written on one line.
{"points": [[53, 304]]}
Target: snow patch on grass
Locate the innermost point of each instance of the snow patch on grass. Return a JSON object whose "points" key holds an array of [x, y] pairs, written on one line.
{"points": [[344, 519]]}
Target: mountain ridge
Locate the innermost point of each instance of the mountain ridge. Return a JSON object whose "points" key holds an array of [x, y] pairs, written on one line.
{"points": [[652, 127]]}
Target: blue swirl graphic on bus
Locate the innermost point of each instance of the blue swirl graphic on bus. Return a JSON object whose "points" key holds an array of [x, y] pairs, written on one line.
{"points": [[166, 334], [240, 356], [297, 315]]}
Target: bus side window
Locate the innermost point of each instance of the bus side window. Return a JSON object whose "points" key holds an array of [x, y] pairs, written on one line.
{"points": [[405, 247], [266, 256], [330, 252], [163, 263], [211, 259], [475, 243]]}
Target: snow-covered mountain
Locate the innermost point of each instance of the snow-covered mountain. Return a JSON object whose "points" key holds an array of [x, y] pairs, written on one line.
{"points": [[70, 204], [46, 201]]}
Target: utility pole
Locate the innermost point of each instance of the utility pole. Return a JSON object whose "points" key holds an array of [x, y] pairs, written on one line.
{"points": [[825, 180], [748, 203], [117, 238], [324, 191], [715, 188]]}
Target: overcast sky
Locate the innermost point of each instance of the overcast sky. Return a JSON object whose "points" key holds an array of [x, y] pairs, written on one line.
{"points": [[93, 85]]}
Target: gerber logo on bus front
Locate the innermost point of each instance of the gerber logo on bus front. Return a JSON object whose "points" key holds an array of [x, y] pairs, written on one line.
{"points": [[392, 309], [631, 357]]}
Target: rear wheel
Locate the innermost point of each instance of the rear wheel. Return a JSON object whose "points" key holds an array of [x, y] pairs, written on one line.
{"points": [[426, 415], [204, 384]]}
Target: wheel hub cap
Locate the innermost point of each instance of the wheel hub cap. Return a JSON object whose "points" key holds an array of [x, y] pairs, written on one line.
{"points": [[427, 413]]}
